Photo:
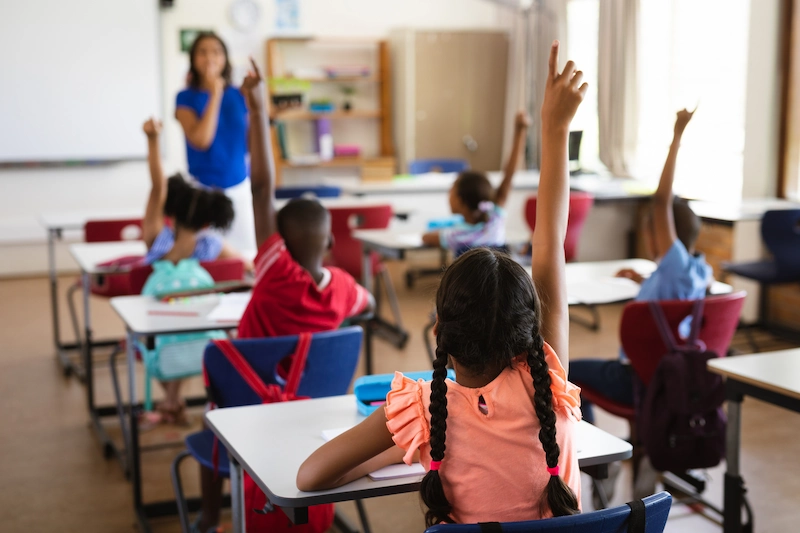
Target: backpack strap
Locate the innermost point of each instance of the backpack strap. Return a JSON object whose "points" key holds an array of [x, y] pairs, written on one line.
{"points": [[663, 326], [298, 365], [490, 527], [637, 521], [267, 393], [692, 342], [697, 319]]}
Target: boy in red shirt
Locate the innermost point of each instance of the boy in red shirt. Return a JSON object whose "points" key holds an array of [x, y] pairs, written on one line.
{"points": [[293, 292]]}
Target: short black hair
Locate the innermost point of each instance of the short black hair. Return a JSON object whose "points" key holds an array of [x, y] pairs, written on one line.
{"points": [[687, 223], [196, 208], [305, 226]]}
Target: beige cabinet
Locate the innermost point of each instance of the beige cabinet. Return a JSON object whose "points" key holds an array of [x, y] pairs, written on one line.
{"points": [[450, 95]]}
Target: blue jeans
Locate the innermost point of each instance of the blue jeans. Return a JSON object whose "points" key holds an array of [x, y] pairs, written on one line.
{"points": [[612, 379]]}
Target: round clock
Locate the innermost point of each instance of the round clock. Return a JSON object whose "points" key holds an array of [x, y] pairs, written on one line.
{"points": [[244, 14]]}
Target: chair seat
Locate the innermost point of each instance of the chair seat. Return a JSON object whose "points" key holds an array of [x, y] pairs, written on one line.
{"points": [[762, 271], [201, 446], [615, 408]]}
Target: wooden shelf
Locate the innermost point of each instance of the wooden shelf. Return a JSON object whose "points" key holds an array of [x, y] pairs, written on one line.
{"points": [[334, 115], [342, 79], [335, 162]]}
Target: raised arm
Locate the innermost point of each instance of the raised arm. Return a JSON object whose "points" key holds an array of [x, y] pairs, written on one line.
{"points": [[521, 124], [262, 165], [153, 221], [663, 221], [563, 94], [200, 131]]}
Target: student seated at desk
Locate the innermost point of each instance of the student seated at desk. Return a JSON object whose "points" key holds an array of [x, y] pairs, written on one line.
{"points": [[293, 294], [499, 442], [483, 208]]}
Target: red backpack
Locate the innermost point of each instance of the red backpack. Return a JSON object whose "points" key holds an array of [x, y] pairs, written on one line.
{"points": [[260, 515], [680, 416]]}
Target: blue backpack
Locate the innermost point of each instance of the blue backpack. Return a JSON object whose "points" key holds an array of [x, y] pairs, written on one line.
{"points": [[175, 356]]}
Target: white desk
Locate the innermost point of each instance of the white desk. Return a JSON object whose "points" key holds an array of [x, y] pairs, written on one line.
{"points": [[771, 377], [272, 458], [135, 312], [746, 209]]}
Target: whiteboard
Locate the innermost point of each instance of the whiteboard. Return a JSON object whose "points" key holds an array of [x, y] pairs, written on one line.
{"points": [[79, 77]]}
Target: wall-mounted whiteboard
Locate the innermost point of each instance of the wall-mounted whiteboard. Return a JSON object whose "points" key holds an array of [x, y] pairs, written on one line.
{"points": [[78, 78]]}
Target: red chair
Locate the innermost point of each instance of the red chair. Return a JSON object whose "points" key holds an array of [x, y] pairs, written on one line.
{"points": [[231, 269], [641, 341], [347, 254], [580, 203]]}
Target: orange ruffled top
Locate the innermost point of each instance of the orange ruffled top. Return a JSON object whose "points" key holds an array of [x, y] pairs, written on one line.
{"points": [[494, 467]]}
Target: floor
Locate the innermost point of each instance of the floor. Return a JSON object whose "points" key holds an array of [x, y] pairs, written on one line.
{"points": [[56, 479]]}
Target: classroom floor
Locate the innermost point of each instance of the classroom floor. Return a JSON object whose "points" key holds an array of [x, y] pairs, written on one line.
{"points": [[55, 478]]}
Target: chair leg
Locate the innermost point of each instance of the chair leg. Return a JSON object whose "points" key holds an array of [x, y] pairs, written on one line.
{"points": [[601, 493], [426, 337], [73, 313], [118, 399], [392, 296], [362, 515], [177, 486]]}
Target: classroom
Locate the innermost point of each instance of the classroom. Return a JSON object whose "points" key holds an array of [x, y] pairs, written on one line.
{"points": [[451, 266]]}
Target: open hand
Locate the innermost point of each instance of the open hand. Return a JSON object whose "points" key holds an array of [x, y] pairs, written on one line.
{"points": [[631, 274], [682, 119], [563, 93], [152, 127], [522, 121], [251, 83]]}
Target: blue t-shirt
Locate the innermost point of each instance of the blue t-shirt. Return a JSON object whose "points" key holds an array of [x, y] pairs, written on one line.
{"points": [[223, 164], [679, 276], [207, 247]]}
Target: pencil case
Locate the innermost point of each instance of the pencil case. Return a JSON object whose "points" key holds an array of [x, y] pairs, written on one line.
{"points": [[371, 391]]}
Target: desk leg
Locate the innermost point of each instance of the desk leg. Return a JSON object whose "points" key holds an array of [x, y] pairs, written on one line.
{"points": [[87, 345], [134, 455], [734, 484], [237, 495], [66, 364], [366, 281]]}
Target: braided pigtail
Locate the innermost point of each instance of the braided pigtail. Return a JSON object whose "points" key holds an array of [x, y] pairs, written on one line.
{"points": [[560, 498], [431, 489]]}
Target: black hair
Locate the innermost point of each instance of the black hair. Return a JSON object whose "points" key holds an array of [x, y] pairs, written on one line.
{"points": [[304, 224], [488, 314], [195, 208], [687, 223], [473, 188], [194, 76]]}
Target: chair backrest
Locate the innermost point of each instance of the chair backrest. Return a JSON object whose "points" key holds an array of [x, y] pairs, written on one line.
{"points": [[331, 363], [128, 229], [421, 166], [642, 342], [320, 191], [347, 251], [780, 231], [614, 520], [220, 269], [580, 203]]}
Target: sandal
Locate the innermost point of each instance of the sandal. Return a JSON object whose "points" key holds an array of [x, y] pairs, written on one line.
{"points": [[175, 416]]}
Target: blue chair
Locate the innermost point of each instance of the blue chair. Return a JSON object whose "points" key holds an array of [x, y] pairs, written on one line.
{"points": [[331, 363], [620, 519], [320, 191], [422, 166], [780, 231]]}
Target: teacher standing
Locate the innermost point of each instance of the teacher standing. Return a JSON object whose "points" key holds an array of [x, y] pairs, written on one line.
{"points": [[214, 118]]}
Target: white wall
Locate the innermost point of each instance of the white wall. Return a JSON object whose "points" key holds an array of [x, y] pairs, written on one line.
{"points": [[762, 111], [24, 193]]}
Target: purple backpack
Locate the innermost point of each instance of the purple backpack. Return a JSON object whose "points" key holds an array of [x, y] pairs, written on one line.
{"points": [[680, 417]]}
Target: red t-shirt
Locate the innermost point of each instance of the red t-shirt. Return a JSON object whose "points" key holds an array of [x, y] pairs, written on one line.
{"points": [[287, 301]]}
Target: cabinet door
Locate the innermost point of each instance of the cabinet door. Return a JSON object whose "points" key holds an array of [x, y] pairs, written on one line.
{"points": [[460, 96]]}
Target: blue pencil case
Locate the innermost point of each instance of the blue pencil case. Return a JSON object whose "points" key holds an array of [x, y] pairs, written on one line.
{"points": [[445, 222], [371, 391]]}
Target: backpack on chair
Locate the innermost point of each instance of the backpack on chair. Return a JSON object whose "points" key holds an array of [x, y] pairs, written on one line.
{"points": [[680, 416]]}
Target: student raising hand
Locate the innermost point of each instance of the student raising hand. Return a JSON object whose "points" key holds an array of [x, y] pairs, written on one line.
{"points": [[563, 94], [682, 119], [152, 128], [250, 84]]}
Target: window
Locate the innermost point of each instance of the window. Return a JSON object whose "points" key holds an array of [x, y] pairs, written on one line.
{"points": [[582, 27], [693, 52]]}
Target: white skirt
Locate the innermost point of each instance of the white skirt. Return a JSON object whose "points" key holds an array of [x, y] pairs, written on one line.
{"points": [[242, 233]]}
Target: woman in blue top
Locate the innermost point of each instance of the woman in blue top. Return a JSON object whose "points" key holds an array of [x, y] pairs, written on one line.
{"points": [[213, 115]]}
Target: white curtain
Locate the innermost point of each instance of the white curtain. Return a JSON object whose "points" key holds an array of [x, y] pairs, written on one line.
{"points": [[617, 83], [532, 32]]}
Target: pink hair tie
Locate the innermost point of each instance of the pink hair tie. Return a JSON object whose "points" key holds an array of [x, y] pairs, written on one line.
{"points": [[435, 465], [553, 471]]}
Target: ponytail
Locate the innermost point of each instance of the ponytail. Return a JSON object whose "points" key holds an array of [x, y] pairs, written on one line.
{"points": [[431, 489], [559, 497]]}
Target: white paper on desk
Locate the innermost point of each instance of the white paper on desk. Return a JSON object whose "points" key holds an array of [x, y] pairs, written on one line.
{"points": [[602, 290], [230, 308], [387, 472]]}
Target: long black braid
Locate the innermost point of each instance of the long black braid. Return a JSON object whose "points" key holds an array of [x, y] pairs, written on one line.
{"points": [[560, 498], [488, 314]]}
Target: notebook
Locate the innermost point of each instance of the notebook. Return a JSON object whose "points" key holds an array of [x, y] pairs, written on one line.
{"points": [[387, 472]]}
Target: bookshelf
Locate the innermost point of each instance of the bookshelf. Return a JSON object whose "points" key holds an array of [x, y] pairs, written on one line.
{"points": [[370, 118]]}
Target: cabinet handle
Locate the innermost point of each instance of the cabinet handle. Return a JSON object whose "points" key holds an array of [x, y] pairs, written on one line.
{"points": [[470, 143]]}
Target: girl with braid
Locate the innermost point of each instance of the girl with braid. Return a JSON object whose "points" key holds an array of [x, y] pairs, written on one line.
{"points": [[499, 441]]}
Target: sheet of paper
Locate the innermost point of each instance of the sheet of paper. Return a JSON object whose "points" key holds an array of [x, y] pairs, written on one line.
{"points": [[230, 308], [397, 471], [602, 290]]}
